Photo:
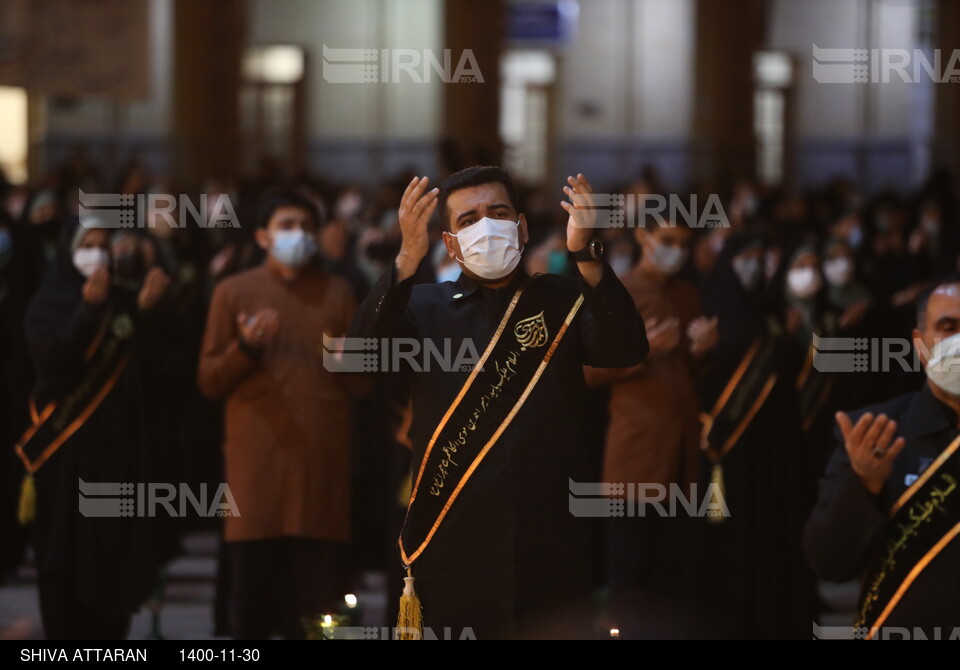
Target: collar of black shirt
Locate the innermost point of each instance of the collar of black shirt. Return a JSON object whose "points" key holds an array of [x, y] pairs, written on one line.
{"points": [[928, 415], [466, 286]]}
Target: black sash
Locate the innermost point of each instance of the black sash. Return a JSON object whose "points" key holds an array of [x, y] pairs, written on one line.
{"points": [[738, 403], [923, 522], [105, 360], [813, 390], [496, 389], [741, 399]]}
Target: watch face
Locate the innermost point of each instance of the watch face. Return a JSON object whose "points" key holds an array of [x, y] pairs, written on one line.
{"points": [[596, 248]]}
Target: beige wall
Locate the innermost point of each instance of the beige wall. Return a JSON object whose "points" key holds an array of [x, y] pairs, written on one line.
{"points": [[405, 109], [830, 110], [633, 61]]}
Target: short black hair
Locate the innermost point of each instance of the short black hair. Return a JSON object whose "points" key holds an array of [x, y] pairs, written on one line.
{"points": [[273, 200], [923, 298], [477, 175]]}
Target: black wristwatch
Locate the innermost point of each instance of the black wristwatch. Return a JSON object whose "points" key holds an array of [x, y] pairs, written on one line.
{"points": [[592, 252]]}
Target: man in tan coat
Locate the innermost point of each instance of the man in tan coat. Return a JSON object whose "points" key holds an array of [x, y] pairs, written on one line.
{"points": [[653, 433], [287, 433]]}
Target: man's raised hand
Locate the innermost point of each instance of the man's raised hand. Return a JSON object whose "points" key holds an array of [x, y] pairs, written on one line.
{"points": [[583, 217], [868, 444], [416, 208]]}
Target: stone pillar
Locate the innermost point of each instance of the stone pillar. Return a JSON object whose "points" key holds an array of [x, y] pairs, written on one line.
{"points": [[728, 32], [946, 129], [471, 124], [209, 46]]}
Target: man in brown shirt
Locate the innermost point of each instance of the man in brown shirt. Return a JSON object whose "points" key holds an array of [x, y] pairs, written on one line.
{"points": [[287, 433], [653, 432]]}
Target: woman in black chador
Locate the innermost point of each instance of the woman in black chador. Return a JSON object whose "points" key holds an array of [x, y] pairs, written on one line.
{"points": [[750, 563], [93, 328]]}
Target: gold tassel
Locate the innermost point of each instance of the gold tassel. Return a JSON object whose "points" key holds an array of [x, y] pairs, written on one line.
{"points": [[28, 501], [716, 477], [410, 620]]}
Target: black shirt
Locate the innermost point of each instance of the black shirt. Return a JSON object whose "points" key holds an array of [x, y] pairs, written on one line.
{"points": [[509, 553], [843, 531]]}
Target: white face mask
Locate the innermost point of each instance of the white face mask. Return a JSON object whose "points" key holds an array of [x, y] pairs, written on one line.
{"points": [[88, 260], [838, 271], [803, 282], [748, 271], [293, 248], [490, 247], [668, 260], [943, 368]]}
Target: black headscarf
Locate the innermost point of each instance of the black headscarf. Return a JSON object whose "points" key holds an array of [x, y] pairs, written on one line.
{"points": [[117, 562], [740, 312], [58, 324], [817, 314]]}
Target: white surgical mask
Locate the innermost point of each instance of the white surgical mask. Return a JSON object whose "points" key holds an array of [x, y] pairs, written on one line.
{"points": [[667, 259], [838, 271], [490, 247], [803, 282], [293, 248], [88, 260], [748, 271], [943, 368]]}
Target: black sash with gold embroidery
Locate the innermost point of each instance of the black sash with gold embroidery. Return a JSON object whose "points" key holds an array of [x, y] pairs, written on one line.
{"points": [[738, 403], [104, 361], [923, 522], [498, 386]]}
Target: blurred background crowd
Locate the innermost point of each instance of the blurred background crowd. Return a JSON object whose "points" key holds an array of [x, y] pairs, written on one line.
{"points": [[840, 205]]}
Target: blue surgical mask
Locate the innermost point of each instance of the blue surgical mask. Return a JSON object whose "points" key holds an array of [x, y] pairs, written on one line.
{"points": [[855, 237], [448, 273], [6, 247], [557, 262], [620, 263], [293, 248]]}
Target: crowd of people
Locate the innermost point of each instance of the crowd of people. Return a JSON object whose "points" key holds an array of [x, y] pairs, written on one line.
{"points": [[193, 354]]}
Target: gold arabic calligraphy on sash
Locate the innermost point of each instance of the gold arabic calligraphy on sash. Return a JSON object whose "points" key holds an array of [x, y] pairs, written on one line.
{"points": [[530, 333], [919, 512]]}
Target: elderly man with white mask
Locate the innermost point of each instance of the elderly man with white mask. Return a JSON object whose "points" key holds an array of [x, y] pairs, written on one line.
{"points": [[889, 504]]}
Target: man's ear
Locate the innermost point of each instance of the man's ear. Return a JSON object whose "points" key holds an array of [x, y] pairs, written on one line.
{"points": [[524, 233], [263, 238], [452, 245]]}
